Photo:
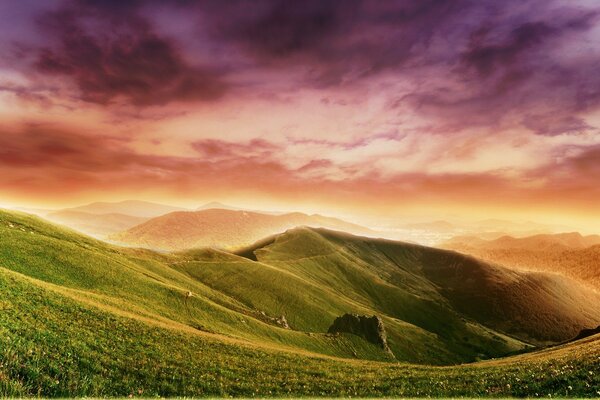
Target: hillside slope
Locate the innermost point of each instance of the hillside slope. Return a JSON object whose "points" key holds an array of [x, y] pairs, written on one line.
{"points": [[56, 346], [142, 285], [309, 275], [232, 296], [221, 228], [532, 306], [571, 255]]}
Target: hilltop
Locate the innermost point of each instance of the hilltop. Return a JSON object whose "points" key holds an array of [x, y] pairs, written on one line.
{"points": [[221, 228]]}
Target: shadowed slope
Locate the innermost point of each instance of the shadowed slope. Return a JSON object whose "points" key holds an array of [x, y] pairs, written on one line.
{"points": [[538, 307]]}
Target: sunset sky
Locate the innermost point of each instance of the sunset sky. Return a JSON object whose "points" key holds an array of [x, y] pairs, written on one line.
{"points": [[481, 109]]}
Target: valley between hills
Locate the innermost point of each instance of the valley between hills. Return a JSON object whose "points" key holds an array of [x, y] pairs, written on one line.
{"points": [[83, 317]]}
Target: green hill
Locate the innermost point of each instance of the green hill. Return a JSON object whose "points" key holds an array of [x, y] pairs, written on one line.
{"points": [[81, 317]]}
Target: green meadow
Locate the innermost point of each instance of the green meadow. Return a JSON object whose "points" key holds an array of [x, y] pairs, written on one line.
{"points": [[80, 317]]}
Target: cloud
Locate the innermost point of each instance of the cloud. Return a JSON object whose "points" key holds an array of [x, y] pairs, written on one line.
{"points": [[53, 162], [487, 58], [332, 42], [215, 149], [38, 146], [111, 52]]}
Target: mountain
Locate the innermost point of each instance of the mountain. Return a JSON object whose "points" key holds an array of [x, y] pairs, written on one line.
{"points": [[522, 228], [221, 228], [216, 204], [572, 240], [96, 225], [134, 208], [81, 317], [569, 254]]}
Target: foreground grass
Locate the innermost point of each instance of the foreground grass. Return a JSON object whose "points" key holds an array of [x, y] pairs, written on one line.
{"points": [[56, 347]]}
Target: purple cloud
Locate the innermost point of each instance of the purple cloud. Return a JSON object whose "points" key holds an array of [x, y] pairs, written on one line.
{"points": [[110, 51]]}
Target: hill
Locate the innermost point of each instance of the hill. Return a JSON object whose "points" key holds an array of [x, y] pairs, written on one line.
{"points": [[67, 348], [221, 228], [571, 254], [134, 208], [83, 317], [96, 225], [536, 306]]}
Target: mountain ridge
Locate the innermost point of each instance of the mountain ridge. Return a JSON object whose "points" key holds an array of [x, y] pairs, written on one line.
{"points": [[571, 254], [220, 228]]}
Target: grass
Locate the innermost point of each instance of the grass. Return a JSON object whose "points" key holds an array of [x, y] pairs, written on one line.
{"points": [[100, 354], [79, 317]]}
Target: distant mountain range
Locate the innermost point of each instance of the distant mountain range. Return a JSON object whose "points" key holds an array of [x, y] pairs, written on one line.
{"points": [[96, 225], [221, 228], [133, 208], [570, 254], [103, 219]]}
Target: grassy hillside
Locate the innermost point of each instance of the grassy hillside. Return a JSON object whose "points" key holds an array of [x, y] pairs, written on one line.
{"points": [[141, 284], [571, 255], [428, 287], [151, 286], [225, 229], [83, 317], [55, 346]]}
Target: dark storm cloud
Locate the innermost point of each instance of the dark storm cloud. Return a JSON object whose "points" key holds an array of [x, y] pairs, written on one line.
{"points": [[513, 72], [110, 51], [494, 63], [471, 63], [334, 41], [486, 58]]}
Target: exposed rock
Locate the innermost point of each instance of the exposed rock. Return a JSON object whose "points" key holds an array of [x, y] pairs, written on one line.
{"points": [[280, 321], [283, 322], [369, 328]]}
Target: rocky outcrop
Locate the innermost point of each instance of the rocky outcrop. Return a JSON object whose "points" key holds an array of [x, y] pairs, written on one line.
{"points": [[369, 328], [280, 321]]}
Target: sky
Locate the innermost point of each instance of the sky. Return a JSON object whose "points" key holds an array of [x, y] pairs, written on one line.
{"points": [[387, 109]]}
